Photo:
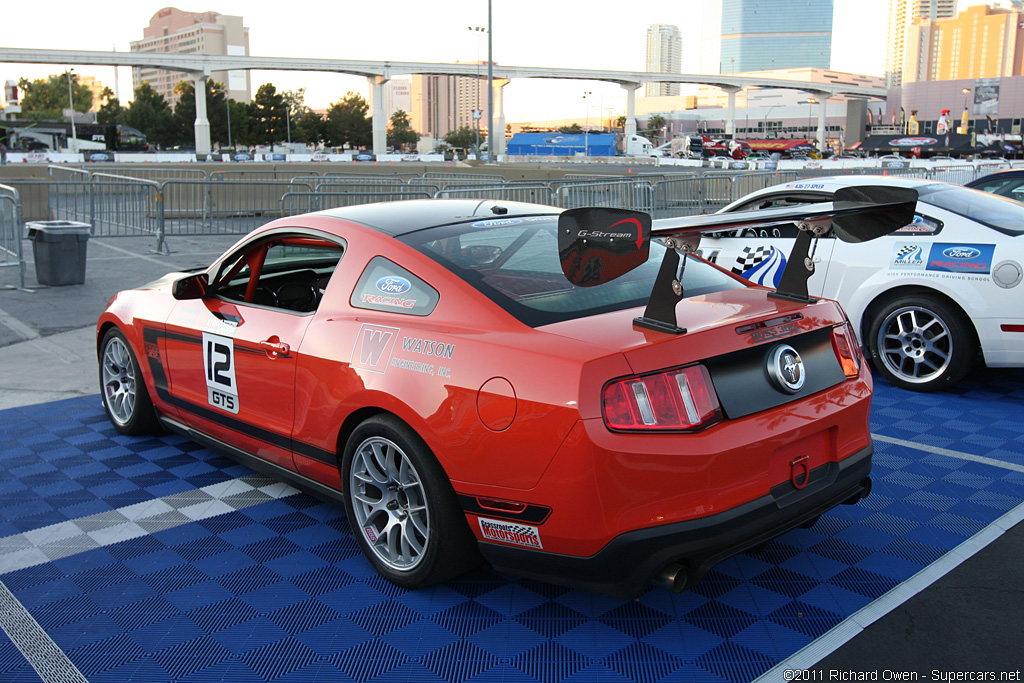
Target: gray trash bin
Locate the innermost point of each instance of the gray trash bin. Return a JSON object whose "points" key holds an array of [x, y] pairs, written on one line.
{"points": [[59, 251]]}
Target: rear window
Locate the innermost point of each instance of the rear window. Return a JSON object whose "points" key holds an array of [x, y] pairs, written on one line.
{"points": [[517, 267], [999, 213]]}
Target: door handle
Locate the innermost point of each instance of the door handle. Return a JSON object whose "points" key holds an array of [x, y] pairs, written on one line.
{"points": [[275, 347]]}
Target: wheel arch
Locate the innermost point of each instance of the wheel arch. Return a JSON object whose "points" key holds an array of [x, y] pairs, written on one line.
{"points": [[882, 298]]}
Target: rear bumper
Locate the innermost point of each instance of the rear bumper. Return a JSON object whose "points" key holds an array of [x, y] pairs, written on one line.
{"points": [[625, 566]]}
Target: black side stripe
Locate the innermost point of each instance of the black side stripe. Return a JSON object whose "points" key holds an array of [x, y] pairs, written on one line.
{"points": [[151, 335]]}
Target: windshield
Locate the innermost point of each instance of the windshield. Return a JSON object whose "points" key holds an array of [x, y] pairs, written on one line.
{"points": [[517, 267], [999, 213]]}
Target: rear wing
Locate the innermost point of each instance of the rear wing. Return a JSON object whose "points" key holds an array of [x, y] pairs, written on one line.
{"points": [[598, 244]]}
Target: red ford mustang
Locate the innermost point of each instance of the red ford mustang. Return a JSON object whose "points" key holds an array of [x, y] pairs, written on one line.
{"points": [[552, 391]]}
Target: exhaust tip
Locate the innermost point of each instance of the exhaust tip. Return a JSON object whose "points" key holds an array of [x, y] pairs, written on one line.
{"points": [[673, 577]]}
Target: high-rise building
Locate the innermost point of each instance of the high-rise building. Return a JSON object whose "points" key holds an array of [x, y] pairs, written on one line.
{"points": [[444, 103], [764, 35], [211, 33], [907, 43], [664, 56]]}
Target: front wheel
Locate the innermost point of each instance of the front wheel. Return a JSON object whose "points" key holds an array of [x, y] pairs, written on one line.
{"points": [[402, 508], [921, 343], [125, 397]]}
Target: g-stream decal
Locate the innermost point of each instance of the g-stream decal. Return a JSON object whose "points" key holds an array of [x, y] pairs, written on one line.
{"points": [[762, 265], [949, 257], [508, 532], [373, 347], [219, 369]]}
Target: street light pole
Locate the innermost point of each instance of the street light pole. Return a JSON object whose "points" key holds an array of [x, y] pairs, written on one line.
{"points": [[491, 152], [586, 140], [71, 106], [476, 112]]}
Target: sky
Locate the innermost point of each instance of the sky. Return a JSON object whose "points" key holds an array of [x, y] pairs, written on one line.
{"points": [[594, 35]]}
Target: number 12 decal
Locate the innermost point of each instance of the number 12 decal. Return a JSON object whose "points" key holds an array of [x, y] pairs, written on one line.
{"points": [[219, 368]]}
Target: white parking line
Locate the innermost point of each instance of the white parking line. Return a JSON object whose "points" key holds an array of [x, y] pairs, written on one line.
{"points": [[848, 628], [948, 453]]}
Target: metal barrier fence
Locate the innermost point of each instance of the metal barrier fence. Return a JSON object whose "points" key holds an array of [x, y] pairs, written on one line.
{"points": [[10, 232], [223, 207], [294, 203], [535, 194], [235, 202]]}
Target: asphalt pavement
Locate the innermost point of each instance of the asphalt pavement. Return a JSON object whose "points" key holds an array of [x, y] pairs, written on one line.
{"points": [[968, 620]]}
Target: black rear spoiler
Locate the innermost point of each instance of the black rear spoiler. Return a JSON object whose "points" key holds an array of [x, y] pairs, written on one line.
{"points": [[598, 244]]}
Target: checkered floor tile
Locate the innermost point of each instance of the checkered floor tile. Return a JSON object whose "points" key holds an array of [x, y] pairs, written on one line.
{"points": [[157, 560]]}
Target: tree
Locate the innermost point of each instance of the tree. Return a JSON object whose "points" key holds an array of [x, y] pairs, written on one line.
{"points": [[150, 113], [400, 132], [463, 138], [269, 113], [347, 123], [47, 99], [309, 128], [110, 111], [655, 124], [575, 129]]}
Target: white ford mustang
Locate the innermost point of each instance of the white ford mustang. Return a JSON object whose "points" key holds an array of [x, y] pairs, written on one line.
{"points": [[929, 300]]}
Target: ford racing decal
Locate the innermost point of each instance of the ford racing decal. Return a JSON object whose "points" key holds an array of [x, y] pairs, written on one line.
{"points": [[393, 284], [961, 258], [508, 532]]}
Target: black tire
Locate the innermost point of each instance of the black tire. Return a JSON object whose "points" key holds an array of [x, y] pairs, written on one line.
{"points": [[401, 506], [921, 343], [123, 389]]}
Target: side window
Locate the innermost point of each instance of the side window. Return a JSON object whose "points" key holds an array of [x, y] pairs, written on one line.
{"points": [[387, 286], [289, 272]]}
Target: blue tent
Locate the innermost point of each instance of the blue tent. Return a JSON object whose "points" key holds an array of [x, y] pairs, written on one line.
{"points": [[562, 144]]}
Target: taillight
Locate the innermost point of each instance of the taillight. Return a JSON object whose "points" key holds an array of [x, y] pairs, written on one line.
{"points": [[844, 343], [682, 399]]}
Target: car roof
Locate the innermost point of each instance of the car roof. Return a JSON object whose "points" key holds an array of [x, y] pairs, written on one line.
{"points": [[404, 217], [1005, 173]]}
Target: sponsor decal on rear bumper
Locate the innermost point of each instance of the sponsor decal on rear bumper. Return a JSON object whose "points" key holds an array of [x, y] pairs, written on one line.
{"points": [[508, 532]]}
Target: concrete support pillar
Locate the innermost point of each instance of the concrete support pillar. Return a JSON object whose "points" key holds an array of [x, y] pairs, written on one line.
{"points": [[499, 131], [823, 99], [203, 146], [730, 122], [630, 127], [380, 123]]}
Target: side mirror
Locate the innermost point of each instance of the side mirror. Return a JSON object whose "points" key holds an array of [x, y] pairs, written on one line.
{"points": [[190, 287]]}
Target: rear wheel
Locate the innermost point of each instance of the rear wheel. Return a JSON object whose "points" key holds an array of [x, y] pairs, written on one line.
{"points": [[402, 508], [921, 343], [125, 397]]}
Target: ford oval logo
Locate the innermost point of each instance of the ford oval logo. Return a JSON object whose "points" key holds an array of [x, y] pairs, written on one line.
{"points": [[392, 284], [961, 252]]}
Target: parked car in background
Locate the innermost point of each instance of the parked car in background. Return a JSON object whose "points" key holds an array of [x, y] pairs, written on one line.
{"points": [[1008, 183], [929, 300]]}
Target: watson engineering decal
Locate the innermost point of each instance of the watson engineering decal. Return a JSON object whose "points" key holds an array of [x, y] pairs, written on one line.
{"points": [[961, 258]]}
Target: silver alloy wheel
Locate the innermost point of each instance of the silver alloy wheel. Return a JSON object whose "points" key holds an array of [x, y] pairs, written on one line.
{"points": [[915, 344], [119, 381], [389, 503]]}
